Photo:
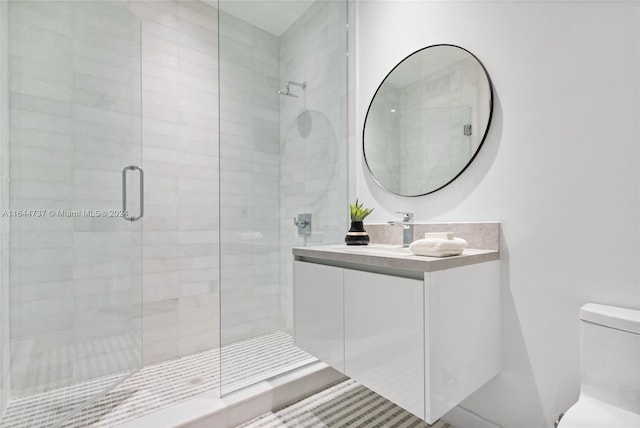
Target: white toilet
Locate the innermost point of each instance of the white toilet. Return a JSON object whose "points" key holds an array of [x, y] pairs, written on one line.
{"points": [[610, 369]]}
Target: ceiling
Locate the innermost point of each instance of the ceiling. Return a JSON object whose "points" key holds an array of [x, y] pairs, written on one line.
{"points": [[274, 16]]}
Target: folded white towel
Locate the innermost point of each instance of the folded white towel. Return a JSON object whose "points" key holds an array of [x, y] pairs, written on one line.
{"points": [[436, 247]]}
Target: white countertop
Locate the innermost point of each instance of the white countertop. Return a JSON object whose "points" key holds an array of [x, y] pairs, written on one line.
{"points": [[392, 257]]}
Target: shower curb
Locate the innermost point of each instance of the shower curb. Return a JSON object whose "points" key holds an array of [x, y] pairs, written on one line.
{"points": [[210, 411]]}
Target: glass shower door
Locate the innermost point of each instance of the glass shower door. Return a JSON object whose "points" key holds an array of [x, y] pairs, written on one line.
{"points": [[283, 152], [76, 205]]}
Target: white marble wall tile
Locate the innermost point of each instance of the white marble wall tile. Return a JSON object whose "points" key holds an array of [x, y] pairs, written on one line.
{"points": [[160, 320], [47, 323], [180, 155], [24, 84], [113, 73], [157, 12], [243, 192], [106, 55], [478, 235], [5, 365], [52, 17], [189, 343], [44, 274], [44, 290]]}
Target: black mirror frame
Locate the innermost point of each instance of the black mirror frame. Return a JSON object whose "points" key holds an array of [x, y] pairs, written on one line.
{"points": [[484, 136]]}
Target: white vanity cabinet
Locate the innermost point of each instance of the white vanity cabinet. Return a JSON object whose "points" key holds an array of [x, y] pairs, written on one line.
{"points": [[424, 340], [383, 336], [318, 312]]}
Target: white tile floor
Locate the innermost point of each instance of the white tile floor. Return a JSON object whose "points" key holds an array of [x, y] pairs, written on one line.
{"points": [[47, 408], [158, 386], [347, 404], [161, 385]]}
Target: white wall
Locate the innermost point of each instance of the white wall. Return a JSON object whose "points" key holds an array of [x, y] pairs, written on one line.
{"points": [[559, 169]]}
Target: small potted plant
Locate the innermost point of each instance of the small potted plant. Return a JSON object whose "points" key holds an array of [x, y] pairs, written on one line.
{"points": [[356, 234]]}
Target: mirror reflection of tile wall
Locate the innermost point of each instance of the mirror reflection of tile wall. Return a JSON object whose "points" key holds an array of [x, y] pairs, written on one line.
{"points": [[435, 110], [417, 138], [383, 144]]}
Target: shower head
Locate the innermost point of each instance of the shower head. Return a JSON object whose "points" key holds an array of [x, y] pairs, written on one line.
{"points": [[288, 92]]}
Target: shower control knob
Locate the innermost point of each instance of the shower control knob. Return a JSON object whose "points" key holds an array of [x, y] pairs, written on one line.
{"points": [[300, 223], [303, 222]]}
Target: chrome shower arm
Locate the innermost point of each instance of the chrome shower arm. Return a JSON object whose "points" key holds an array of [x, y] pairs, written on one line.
{"points": [[302, 85]]}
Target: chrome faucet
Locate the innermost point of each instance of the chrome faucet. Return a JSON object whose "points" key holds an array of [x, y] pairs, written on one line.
{"points": [[407, 227]]}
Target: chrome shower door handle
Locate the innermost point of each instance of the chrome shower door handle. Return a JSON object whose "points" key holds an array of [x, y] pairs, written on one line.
{"points": [[124, 192]]}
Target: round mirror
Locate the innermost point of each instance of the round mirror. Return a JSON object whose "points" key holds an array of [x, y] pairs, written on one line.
{"points": [[427, 120]]}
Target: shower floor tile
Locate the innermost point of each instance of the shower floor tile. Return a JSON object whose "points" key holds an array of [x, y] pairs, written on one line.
{"points": [[157, 386], [47, 408], [347, 404]]}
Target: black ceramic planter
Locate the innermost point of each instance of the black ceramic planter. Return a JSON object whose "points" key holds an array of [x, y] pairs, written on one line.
{"points": [[356, 234]]}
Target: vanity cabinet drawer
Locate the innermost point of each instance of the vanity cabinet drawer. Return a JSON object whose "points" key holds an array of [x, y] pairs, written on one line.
{"points": [[318, 312], [384, 340]]}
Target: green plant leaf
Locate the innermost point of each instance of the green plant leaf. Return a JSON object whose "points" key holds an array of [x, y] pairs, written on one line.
{"points": [[358, 212]]}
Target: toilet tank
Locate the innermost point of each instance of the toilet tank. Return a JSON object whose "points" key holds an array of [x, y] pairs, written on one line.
{"points": [[610, 355]]}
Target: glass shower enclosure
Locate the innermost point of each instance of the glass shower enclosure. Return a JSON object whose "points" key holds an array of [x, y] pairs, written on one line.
{"points": [[72, 167], [283, 154], [85, 86]]}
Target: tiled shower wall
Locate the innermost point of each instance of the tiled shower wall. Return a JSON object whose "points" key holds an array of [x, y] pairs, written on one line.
{"points": [[400, 115], [280, 156], [445, 103], [178, 95], [74, 123], [4, 197], [250, 168], [383, 126], [180, 152], [313, 136], [82, 73]]}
